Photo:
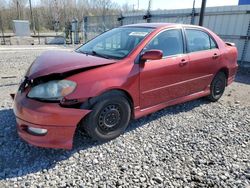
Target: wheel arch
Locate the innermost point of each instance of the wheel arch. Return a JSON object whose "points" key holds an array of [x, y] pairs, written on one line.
{"points": [[225, 70], [92, 100]]}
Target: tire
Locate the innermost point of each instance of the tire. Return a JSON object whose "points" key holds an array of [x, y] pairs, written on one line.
{"points": [[217, 87], [109, 118]]}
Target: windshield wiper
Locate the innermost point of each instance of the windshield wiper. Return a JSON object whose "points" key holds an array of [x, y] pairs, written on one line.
{"points": [[82, 52], [94, 53], [99, 55]]}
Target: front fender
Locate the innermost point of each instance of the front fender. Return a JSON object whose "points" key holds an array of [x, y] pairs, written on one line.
{"points": [[94, 82]]}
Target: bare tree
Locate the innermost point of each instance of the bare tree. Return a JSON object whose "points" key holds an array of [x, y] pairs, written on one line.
{"points": [[50, 11], [126, 8], [19, 6]]}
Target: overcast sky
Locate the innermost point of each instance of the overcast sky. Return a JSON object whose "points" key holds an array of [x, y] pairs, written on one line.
{"points": [[174, 4]]}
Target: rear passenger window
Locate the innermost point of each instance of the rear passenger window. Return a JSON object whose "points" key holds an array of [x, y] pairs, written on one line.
{"points": [[170, 42], [213, 44], [198, 40]]}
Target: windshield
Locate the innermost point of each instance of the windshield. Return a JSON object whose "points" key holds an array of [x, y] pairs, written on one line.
{"points": [[116, 43]]}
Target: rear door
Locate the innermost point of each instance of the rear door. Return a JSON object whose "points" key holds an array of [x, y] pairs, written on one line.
{"points": [[204, 58], [165, 79]]}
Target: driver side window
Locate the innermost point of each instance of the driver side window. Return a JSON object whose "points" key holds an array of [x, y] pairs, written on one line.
{"points": [[170, 42]]}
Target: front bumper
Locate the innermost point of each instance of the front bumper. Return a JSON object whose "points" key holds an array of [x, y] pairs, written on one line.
{"points": [[60, 122]]}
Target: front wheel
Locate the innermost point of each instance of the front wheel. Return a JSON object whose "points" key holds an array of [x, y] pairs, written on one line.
{"points": [[109, 117], [217, 87]]}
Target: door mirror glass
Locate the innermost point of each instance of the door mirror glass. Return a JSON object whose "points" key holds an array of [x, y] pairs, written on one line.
{"points": [[152, 55]]}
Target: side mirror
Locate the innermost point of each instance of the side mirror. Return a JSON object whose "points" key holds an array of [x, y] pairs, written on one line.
{"points": [[152, 55]]}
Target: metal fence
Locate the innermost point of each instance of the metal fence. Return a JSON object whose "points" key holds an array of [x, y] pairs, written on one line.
{"points": [[232, 23], [94, 25]]}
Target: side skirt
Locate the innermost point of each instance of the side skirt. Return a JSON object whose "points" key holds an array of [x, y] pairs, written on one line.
{"points": [[143, 112]]}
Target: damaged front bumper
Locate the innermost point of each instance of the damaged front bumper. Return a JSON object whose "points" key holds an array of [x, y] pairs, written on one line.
{"points": [[59, 122]]}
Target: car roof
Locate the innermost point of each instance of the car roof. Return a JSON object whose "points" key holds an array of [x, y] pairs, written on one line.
{"points": [[158, 25], [151, 25]]}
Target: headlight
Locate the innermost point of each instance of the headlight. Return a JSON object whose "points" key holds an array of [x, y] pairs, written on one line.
{"points": [[52, 90]]}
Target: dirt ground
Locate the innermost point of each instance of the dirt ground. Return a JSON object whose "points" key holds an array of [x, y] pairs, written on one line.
{"points": [[238, 91]]}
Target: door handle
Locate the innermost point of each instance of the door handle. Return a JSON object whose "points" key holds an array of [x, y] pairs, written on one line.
{"points": [[183, 62], [215, 56]]}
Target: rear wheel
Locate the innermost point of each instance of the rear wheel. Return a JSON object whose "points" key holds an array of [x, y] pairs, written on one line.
{"points": [[109, 117], [217, 87]]}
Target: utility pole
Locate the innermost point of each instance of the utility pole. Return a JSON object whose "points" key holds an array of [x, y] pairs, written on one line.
{"points": [[148, 15], [32, 18], [193, 13], [203, 7], [56, 15], [18, 11]]}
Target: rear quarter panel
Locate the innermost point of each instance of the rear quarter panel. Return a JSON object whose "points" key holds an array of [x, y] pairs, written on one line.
{"points": [[228, 59]]}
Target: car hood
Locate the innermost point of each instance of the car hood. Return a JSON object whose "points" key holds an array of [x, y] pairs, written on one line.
{"points": [[53, 62]]}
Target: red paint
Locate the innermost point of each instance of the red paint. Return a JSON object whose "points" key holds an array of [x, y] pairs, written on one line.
{"points": [[60, 122], [152, 85], [152, 55], [61, 61]]}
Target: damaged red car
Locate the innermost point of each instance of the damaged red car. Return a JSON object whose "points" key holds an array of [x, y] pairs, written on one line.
{"points": [[122, 74]]}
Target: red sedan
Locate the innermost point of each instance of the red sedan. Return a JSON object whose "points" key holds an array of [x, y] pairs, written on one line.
{"points": [[125, 73]]}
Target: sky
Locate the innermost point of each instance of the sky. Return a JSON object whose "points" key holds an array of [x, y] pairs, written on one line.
{"points": [[174, 4]]}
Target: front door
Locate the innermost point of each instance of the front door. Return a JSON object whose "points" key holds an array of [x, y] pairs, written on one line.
{"points": [[165, 79]]}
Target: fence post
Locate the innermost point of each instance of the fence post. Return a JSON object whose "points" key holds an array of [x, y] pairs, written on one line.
{"points": [[103, 23], [38, 32], [245, 47], [64, 35], [120, 19], [85, 26], [1, 24], [147, 16]]}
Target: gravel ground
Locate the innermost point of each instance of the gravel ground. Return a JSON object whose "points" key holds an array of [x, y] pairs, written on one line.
{"points": [[195, 144]]}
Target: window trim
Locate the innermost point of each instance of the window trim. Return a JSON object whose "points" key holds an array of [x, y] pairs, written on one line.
{"points": [[216, 45], [185, 28], [156, 35]]}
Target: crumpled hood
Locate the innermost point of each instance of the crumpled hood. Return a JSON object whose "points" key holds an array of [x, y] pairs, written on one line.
{"points": [[62, 61]]}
